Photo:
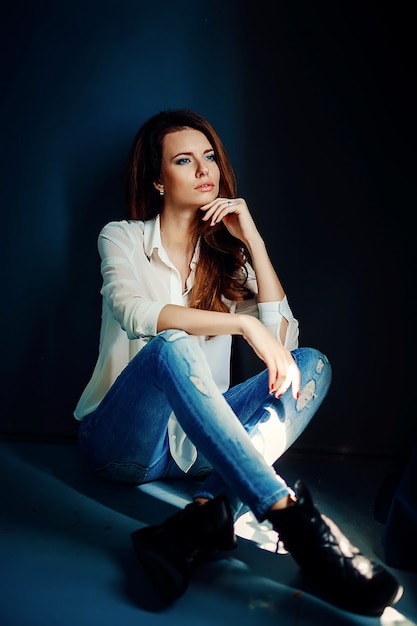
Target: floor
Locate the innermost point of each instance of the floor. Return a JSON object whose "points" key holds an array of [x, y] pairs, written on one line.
{"points": [[67, 557]]}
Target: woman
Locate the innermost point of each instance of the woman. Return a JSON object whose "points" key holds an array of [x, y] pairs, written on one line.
{"points": [[185, 273]]}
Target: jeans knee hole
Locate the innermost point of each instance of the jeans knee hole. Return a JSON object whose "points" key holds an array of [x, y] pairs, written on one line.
{"points": [[307, 393], [198, 384]]}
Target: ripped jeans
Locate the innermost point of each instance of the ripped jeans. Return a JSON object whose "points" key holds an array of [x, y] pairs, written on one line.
{"points": [[126, 438]]}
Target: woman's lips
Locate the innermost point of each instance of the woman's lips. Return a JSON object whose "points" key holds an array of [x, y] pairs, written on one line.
{"points": [[205, 187]]}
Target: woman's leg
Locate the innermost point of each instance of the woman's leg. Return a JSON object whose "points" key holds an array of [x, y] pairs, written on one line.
{"points": [[125, 438], [254, 407], [169, 551], [253, 404]]}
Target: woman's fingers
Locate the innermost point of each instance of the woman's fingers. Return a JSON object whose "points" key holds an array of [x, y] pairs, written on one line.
{"points": [[219, 208], [284, 379], [283, 373]]}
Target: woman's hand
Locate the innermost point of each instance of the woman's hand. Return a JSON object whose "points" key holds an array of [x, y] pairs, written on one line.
{"points": [[234, 214], [282, 369]]}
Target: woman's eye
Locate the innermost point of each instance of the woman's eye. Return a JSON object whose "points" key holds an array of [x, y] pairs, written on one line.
{"points": [[210, 157], [182, 161]]}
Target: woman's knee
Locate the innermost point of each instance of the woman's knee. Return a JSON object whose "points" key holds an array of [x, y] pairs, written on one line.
{"points": [[177, 347], [172, 335], [313, 364], [168, 341]]}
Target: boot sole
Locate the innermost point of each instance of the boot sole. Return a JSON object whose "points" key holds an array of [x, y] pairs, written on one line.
{"points": [[351, 604]]}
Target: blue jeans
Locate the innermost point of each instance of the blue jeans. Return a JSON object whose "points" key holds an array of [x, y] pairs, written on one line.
{"points": [[125, 439]]}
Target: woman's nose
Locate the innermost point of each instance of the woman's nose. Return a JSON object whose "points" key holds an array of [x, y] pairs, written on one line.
{"points": [[202, 169]]}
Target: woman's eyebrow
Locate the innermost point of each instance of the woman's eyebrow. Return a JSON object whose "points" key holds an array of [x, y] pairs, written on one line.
{"points": [[191, 153]]}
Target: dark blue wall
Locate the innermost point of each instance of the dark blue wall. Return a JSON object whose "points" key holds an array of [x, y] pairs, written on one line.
{"points": [[314, 109]]}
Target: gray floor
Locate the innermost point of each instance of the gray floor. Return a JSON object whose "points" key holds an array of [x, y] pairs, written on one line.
{"points": [[67, 557]]}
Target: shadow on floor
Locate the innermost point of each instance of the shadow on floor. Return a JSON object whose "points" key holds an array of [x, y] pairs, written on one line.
{"points": [[67, 555]]}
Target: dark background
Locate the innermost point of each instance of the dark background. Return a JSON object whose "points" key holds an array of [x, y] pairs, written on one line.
{"points": [[315, 103]]}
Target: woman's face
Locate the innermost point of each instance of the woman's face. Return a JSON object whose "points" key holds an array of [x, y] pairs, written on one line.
{"points": [[189, 172]]}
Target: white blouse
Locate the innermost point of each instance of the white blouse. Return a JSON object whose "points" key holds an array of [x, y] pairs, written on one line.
{"points": [[138, 281]]}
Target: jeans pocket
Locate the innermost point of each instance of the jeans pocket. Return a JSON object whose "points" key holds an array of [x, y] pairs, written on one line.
{"points": [[114, 472]]}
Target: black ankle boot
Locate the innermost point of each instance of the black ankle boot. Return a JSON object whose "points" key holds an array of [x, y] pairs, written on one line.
{"points": [[170, 551], [341, 573]]}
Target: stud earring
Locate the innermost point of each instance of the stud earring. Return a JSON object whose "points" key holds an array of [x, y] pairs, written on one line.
{"points": [[161, 191]]}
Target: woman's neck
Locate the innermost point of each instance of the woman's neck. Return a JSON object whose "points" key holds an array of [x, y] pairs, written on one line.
{"points": [[178, 230], [179, 239]]}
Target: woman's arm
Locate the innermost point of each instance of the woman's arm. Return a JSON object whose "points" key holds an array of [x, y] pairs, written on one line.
{"points": [[282, 369], [269, 285], [236, 217]]}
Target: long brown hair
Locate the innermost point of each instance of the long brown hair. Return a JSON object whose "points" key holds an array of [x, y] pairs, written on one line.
{"points": [[220, 271]]}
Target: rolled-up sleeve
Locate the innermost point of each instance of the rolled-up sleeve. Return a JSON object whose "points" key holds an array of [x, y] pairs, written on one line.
{"points": [[271, 315]]}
